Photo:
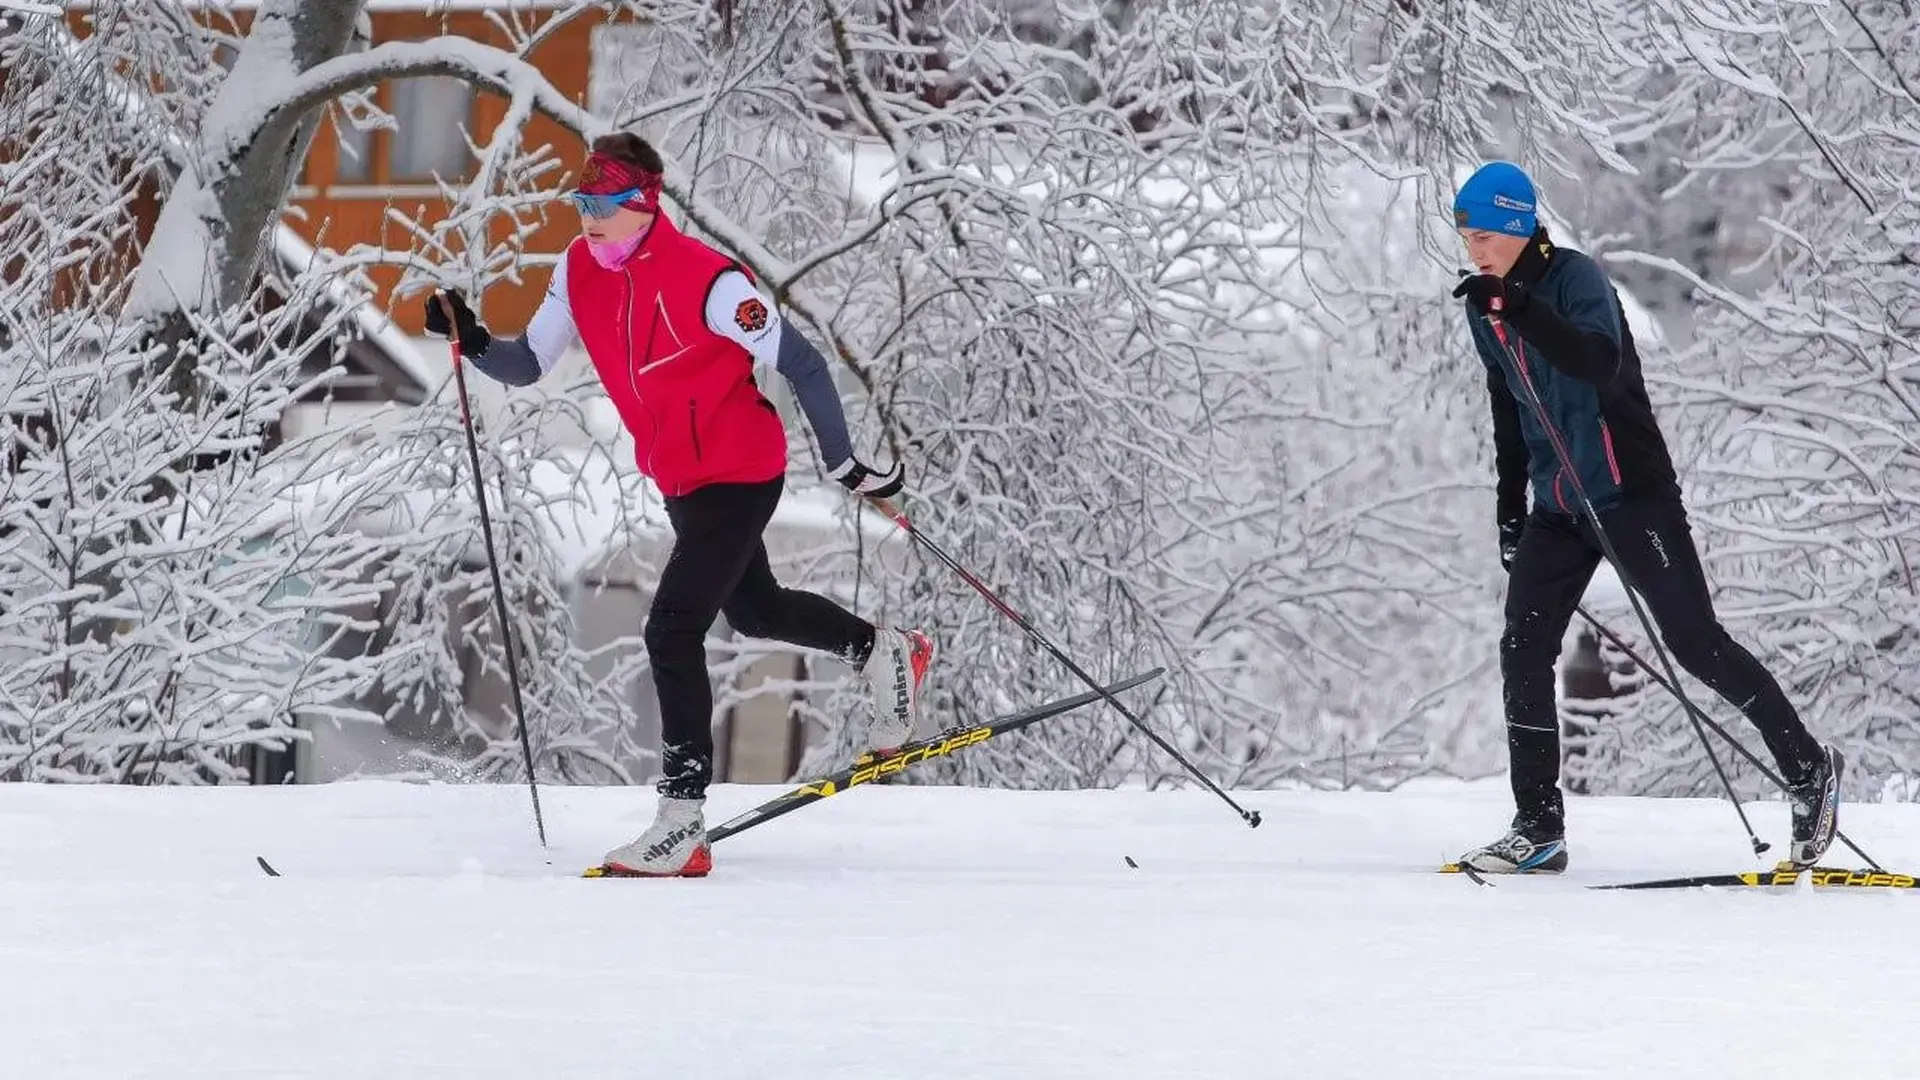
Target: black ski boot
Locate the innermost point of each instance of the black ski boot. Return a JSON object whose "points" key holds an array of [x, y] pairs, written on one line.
{"points": [[1536, 844], [1816, 809]]}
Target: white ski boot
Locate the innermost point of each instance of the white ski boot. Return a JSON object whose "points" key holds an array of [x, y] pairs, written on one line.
{"points": [[894, 673], [1816, 809], [676, 845]]}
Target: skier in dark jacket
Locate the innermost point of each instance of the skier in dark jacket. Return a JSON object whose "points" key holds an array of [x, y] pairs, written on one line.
{"points": [[1567, 339]]}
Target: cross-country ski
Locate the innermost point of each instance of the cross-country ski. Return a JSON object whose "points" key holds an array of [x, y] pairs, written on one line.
{"points": [[1783, 875], [871, 767]]}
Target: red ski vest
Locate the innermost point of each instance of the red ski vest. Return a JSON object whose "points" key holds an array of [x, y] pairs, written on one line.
{"points": [[685, 393]]}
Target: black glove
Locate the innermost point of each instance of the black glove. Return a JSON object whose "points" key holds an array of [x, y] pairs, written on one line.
{"points": [[1509, 543], [1489, 295], [473, 337], [861, 480]]}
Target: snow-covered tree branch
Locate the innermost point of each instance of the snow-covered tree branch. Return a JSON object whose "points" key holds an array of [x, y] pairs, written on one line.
{"points": [[1151, 299]]}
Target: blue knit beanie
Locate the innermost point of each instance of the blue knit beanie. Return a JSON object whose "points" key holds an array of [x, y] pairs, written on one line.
{"points": [[1498, 197]]}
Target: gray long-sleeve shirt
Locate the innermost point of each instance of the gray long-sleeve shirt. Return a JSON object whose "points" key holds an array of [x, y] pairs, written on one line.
{"points": [[522, 360]]}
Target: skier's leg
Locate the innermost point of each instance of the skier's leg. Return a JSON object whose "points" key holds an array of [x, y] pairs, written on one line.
{"points": [[1550, 573], [894, 661], [1655, 543], [716, 531], [761, 607]]}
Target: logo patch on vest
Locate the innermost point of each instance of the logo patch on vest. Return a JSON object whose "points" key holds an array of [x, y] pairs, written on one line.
{"points": [[751, 315]]}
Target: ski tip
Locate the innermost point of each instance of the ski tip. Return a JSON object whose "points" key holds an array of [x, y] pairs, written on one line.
{"points": [[1462, 868], [604, 871], [265, 865]]}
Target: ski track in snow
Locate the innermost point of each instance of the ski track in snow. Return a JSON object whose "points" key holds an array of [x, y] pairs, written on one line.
{"points": [[419, 930]]}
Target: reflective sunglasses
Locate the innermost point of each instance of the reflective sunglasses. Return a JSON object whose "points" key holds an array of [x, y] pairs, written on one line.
{"points": [[602, 206]]}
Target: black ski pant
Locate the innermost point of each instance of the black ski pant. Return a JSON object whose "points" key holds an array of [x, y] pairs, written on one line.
{"points": [[1556, 559], [719, 565]]}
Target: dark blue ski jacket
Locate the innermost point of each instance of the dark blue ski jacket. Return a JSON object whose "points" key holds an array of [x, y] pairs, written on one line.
{"points": [[1571, 345]]}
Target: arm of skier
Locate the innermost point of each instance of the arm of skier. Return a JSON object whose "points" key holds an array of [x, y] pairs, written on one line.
{"points": [[736, 310], [516, 361], [1582, 338], [1509, 465]]}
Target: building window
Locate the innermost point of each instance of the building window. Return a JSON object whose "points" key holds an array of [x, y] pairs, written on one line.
{"points": [[432, 115], [353, 152]]}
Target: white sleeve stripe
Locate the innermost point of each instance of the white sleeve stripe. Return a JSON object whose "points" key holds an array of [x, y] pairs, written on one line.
{"points": [[552, 332], [729, 294]]}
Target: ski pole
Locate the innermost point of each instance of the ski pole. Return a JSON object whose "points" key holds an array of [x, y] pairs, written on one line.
{"points": [[493, 567], [1752, 758], [1606, 546], [1251, 817]]}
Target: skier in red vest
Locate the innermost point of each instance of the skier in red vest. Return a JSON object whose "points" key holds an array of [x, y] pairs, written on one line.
{"points": [[673, 328]]}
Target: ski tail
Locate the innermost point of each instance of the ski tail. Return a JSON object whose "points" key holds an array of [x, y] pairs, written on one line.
{"points": [[870, 766]]}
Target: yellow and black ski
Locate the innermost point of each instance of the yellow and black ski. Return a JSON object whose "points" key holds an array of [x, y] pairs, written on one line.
{"points": [[1783, 876], [870, 767]]}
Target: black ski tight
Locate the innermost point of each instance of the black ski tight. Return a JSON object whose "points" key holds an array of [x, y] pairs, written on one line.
{"points": [[719, 565], [1557, 557]]}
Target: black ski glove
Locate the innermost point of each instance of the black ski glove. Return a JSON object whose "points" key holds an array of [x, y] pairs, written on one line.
{"points": [[1482, 290], [473, 337], [862, 480], [1510, 542]]}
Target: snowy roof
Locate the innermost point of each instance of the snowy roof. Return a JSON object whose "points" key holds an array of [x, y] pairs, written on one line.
{"points": [[591, 510], [393, 348]]}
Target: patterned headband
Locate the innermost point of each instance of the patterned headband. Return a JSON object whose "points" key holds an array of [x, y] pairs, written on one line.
{"points": [[604, 175]]}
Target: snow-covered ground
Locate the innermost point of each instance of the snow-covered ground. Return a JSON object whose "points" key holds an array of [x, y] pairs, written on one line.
{"points": [[927, 933]]}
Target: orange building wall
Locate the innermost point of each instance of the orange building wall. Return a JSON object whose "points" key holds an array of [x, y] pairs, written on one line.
{"points": [[339, 216]]}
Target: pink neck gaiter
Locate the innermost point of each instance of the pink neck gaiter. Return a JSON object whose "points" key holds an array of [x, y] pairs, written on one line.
{"points": [[613, 254]]}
